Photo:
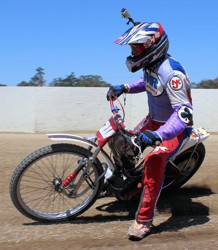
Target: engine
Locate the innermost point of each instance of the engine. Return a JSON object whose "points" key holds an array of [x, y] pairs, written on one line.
{"points": [[124, 152]]}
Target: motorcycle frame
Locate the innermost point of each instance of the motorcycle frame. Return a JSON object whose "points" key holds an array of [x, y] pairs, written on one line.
{"points": [[111, 127], [198, 135]]}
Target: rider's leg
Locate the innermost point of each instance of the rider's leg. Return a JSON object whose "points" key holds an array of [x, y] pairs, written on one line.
{"points": [[155, 163]]}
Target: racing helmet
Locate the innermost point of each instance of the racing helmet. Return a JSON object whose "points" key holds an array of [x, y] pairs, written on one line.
{"points": [[148, 42]]}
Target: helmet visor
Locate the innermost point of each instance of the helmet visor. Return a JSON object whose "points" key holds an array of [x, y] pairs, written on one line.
{"points": [[137, 49]]}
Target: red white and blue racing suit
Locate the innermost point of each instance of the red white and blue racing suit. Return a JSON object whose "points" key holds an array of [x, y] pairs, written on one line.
{"points": [[170, 115]]}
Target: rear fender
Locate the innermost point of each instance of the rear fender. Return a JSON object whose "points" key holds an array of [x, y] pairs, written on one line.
{"points": [[198, 135]]}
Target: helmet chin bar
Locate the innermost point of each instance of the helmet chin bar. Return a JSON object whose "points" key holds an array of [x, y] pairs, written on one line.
{"points": [[133, 64]]}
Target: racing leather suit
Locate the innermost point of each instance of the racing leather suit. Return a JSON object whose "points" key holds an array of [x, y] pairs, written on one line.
{"points": [[170, 115]]}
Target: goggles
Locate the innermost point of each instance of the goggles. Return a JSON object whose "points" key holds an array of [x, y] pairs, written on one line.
{"points": [[137, 49]]}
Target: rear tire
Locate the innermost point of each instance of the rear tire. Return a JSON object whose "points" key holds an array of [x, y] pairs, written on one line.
{"points": [[178, 179]]}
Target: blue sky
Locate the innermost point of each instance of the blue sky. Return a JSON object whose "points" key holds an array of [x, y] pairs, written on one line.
{"points": [[65, 36]]}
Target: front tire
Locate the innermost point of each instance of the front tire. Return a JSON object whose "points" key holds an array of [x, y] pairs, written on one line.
{"points": [[32, 188]]}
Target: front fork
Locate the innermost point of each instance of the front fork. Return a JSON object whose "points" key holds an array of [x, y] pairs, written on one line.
{"points": [[84, 165]]}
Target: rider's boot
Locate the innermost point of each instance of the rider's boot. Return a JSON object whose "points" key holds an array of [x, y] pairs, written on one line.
{"points": [[139, 230]]}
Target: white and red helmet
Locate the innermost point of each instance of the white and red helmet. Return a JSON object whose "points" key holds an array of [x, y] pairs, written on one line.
{"points": [[148, 42]]}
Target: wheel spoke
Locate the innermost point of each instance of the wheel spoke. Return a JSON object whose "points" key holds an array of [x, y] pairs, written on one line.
{"points": [[35, 190]]}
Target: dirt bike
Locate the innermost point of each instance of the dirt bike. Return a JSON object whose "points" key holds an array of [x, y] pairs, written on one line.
{"points": [[62, 180]]}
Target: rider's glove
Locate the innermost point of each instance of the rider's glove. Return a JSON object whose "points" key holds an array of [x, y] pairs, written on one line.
{"points": [[116, 91], [150, 138]]}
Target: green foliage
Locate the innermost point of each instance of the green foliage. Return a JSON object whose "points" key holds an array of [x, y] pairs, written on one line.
{"points": [[82, 81], [92, 81], [24, 83], [69, 81], [36, 81], [208, 84]]}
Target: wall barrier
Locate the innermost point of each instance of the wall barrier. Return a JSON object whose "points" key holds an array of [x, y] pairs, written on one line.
{"points": [[61, 109]]}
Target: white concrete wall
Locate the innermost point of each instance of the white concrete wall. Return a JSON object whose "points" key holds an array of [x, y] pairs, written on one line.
{"points": [[56, 109]]}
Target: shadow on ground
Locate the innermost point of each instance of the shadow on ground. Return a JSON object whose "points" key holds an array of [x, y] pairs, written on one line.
{"points": [[184, 212]]}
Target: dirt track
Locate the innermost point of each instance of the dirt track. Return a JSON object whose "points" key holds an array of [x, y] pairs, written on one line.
{"points": [[185, 220]]}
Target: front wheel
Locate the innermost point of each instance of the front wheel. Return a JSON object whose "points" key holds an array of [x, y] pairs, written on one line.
{"points": [[33, 187]]}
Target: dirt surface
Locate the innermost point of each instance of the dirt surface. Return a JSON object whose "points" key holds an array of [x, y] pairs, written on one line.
{"points": [[187, 219]]}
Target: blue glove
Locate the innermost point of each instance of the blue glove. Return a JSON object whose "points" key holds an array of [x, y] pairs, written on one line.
{"points": [[115, 91], [150, 138]]}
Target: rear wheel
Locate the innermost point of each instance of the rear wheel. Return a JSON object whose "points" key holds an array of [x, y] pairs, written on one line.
{"points": [[185, 168], [34, 185]]}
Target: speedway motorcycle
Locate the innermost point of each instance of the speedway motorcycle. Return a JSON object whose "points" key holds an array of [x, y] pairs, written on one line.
{"points": [[61, 181]]}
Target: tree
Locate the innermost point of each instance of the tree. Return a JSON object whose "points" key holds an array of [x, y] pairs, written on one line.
{"points": [[216, 82], [208, 84], [82, 81], [69, 81], [23, 83], [92, 81], [37, 80]]}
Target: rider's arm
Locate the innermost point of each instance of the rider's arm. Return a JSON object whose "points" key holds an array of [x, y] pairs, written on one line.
{"points": [[133, 87], [178, 91], [136, 86]]}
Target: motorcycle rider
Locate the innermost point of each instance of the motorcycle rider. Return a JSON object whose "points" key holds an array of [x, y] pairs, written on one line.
{"points": [[170, 110]]}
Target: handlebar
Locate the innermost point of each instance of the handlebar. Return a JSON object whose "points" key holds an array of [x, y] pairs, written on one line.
{"points": [[118, 119], [114, 109], [129, 134]]}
